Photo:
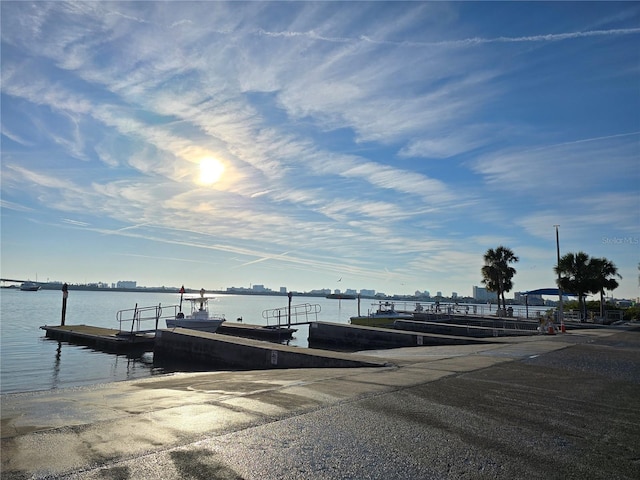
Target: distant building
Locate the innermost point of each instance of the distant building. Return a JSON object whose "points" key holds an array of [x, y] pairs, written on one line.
{"points": [[257, 289], [126, 284], [367, 293], [283, 289], [454, 294], [322, 291], [481, 294], [535, 300]]}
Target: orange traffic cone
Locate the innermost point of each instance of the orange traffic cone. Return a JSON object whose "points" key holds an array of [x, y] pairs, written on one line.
{"points": [[551, 330], [563, 329]]}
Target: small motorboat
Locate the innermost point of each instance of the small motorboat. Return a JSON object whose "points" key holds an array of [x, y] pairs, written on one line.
{"points": [[384, 315], [200, 318], [29, 286]]}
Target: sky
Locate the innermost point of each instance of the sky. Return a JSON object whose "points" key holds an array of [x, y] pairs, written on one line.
{"points": [[309, 145]]}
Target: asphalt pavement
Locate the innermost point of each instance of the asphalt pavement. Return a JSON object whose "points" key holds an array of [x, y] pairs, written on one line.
{"points": [[563, 406]]}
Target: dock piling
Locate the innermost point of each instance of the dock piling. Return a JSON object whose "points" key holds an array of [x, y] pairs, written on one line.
{"points": [[65, 294]]}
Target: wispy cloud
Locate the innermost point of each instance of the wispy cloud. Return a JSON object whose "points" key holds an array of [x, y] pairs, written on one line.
{"points": [[549, 169], [14, 206], [392, 141]]}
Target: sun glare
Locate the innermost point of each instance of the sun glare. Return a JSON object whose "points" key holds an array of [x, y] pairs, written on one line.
{"points": [[211, 170]]}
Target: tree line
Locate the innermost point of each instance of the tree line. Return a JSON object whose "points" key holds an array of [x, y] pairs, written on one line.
{"points": [[578, 274]]}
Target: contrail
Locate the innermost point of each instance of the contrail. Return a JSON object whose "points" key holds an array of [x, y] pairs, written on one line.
{"points": [[585, 140], [551, 37], [269, 257]]}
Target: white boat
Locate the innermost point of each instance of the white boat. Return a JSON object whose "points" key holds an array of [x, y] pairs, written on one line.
{"points": [[200, 318], [384, 315], [29, 286]]}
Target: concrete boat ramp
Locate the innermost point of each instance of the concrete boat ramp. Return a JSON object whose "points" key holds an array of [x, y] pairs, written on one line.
{"points": [[543, 406]]}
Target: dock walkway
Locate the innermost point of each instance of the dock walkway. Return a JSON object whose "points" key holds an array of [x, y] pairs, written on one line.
{"points": [[107, 339]]}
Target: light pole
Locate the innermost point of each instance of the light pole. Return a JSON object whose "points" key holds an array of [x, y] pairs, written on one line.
{"points": [[560, 312]]}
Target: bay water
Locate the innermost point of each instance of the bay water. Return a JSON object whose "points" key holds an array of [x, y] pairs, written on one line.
{"points": [[29, 361]]}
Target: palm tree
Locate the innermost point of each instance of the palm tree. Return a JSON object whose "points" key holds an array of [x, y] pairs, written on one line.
{"points": [[574, 276], [491, 278], [497, 274], [602, 271]]}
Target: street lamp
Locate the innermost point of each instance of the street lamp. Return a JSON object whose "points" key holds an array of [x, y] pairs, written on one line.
{"points": [[560, 312]]}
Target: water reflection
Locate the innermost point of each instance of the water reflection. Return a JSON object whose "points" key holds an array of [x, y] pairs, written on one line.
{"points": [[56, 367]]}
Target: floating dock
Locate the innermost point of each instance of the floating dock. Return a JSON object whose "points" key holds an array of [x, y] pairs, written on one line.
{"points": [[113, 340], [231, 350], [209, 348], [256, 332], [362, 337], [106, 339]]}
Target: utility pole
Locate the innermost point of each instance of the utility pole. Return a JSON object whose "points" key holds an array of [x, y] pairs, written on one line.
{"points": [[560, 312]]}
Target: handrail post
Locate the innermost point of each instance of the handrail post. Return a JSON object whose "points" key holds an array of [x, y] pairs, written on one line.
{"points": [[133, 320], [158, 314]]}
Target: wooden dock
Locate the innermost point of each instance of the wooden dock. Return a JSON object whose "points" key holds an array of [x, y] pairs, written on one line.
{"points": [[107, 339], [113, 340]]}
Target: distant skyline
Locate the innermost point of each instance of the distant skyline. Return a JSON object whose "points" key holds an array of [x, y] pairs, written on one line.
{"points": [[365, 145]]}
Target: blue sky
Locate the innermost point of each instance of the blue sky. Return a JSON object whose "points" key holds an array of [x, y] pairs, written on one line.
{"points": [[385, 144]]}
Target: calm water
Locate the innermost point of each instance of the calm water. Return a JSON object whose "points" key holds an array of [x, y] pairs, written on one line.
{"points": [[29, 361]]}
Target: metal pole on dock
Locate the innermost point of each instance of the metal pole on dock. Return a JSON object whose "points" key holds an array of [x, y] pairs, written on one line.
{"points": [[133, 320], [65, 294], [560, 306], [289, 309]]}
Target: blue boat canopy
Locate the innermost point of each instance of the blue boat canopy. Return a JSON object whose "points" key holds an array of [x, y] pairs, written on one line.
{"points": [[548, 291]]}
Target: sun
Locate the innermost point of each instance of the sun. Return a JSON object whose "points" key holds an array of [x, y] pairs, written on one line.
{"points": [[211, 169]]}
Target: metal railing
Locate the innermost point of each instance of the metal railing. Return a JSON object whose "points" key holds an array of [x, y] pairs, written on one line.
{"points": [[138, 315], [481, 310], [303, 313]]}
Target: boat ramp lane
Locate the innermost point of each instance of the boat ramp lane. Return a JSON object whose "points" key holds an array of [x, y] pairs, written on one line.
{"points": [[364, 337], [226, 351], [497, 329]]}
